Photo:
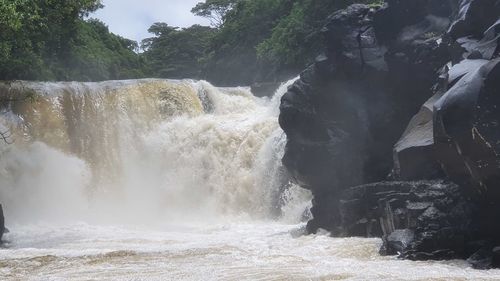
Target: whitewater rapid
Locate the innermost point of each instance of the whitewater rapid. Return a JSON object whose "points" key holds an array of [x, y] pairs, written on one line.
{"points": [[222, 251], [141, 151], [166, 180]]}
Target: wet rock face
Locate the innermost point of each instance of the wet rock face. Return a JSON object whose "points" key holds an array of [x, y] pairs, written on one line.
{"points": [[421, 220], [474, 17], [418, 220], [344, 115], [456, 129], [264, 89], [467, 131], [350, 121], [2, 223]]}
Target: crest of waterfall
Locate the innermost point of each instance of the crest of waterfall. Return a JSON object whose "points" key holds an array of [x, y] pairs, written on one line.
{"points": [[143, 150]]}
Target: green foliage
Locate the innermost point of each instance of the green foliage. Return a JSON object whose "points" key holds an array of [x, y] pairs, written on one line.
{"points": [[232, 57], [215, 10], [10, 18], [265, 39], [254, 40], [288, 42], [295, 40], [17, 51], [176, 53], [97, 54], [49, 40]]}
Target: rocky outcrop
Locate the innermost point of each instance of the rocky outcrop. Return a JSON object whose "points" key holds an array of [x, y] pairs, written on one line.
{"points": [[350, 121], [344, 115], [418, 220], [264, 89], [2, 224], [466, 131], [421, 220]]}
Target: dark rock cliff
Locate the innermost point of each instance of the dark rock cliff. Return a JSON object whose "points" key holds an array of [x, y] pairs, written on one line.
{"points": [[405, 99], [2, 223]]}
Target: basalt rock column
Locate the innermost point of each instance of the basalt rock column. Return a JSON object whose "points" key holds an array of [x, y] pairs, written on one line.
{"points": [[344, 115]]}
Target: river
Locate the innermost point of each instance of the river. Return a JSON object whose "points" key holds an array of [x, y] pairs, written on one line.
{"points": [[166, 180]]}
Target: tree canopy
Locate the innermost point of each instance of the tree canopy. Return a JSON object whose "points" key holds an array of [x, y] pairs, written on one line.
{"points": [[175, 52], [215, 10], [249, 41], [264, 40], [50, 40]]}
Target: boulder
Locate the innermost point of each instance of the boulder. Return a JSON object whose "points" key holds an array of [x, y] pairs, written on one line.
{"points": [[466, 131], [264, 89], [416, 220], [486, 257], [414, 152], [398, 241], [485, 48], [474, 17], [482, 259]]}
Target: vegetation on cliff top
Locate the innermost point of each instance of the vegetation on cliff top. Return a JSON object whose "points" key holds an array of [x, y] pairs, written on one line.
{"points": [[250, 40], [50, 40]]}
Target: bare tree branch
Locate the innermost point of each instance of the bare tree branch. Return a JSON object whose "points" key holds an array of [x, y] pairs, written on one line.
{"points": [[214, 10], [5, 136]]}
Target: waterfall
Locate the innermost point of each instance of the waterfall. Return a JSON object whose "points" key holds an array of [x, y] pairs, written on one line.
{"points": [[164, 180], [143, 150]]}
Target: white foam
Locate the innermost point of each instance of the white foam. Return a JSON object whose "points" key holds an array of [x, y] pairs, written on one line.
{"points": [[242, 251], [131, 180], [144, 152]]}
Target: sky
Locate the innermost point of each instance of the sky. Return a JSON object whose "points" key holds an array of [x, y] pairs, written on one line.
{"points": [[132, 18]]}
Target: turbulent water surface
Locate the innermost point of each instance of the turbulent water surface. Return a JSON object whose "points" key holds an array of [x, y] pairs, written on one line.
{"points": [[166, 180]]}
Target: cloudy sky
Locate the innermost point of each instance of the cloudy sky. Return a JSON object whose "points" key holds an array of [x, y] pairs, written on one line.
{"points": [[132, 18]]}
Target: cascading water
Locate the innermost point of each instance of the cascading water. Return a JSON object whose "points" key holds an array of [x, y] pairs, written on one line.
{"points": [[164, 180], [138, 151]]}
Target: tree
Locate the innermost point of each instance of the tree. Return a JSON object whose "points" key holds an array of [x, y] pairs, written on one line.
{"points": [[177, 53], [5, 102], [5, 135], [159, 30], [50, 40], [214, 10], [96, 54], [296, 40], [232, 58], [10, 23], [18, 54], [264, 40]]}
